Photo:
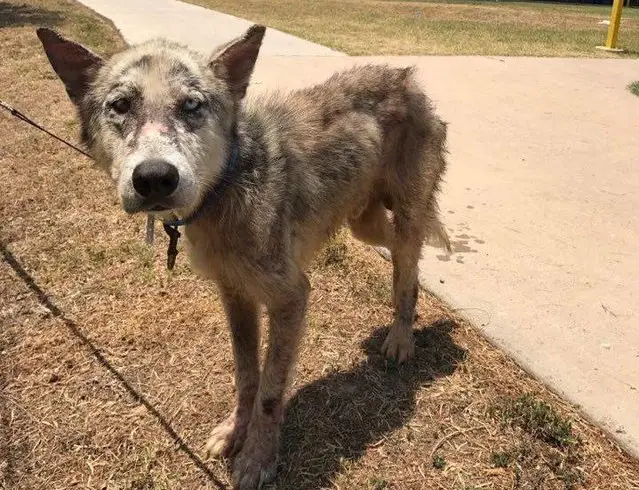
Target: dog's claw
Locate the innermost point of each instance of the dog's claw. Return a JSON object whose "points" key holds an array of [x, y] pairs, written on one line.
{"points": [[399, 345], [227, 438]]}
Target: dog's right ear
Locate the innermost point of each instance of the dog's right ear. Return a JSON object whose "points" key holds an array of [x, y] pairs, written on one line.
{"points": [[75, 65], [233, 62]]}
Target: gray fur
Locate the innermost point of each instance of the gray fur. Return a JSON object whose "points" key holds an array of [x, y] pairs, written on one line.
{"points": [[364, 148]]}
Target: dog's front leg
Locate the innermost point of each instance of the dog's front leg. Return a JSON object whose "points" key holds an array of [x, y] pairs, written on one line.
{"points": [[257, 462], [242, 312]]}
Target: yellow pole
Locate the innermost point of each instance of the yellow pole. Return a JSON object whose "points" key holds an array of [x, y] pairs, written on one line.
{"points": [[615, 20]]}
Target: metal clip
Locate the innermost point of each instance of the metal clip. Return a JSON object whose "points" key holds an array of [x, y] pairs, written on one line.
{"points": [[172, 251]]}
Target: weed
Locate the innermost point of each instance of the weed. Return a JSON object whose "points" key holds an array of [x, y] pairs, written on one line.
{"points": [[500, 459], [538, 419], [439, 462]]}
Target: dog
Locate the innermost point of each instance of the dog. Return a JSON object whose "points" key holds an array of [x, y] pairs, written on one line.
{"points": [[261, 184]]}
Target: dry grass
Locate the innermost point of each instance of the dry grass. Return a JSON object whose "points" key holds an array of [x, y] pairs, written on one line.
{"points": [[113, 371], [373, 27]]}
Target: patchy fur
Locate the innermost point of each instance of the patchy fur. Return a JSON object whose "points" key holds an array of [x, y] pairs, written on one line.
{"points": [[363, 148]]}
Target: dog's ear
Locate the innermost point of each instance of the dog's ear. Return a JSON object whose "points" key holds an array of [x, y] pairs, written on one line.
{"points": [[233, 62], [74, 64]]}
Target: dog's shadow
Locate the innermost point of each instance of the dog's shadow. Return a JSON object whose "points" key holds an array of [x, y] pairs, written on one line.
{"points": [[339, 416]]}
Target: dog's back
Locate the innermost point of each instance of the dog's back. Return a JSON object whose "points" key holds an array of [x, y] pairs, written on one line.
{"points": [[365, 141]]}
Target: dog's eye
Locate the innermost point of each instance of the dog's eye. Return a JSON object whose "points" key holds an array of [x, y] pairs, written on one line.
{"points": [[121, 106], [191, 105]]}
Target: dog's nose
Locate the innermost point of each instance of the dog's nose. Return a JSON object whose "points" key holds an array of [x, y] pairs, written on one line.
{"points": [[155, 179]]}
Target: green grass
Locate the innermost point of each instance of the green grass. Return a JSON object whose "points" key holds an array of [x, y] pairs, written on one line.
{"points": [[538, 419], [373, 27], [634, 87], [439, 462]]}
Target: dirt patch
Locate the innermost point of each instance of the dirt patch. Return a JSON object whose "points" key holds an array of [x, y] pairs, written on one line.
{"points": [[113, 370]]}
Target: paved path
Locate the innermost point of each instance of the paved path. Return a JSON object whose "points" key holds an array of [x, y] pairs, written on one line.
{"points": [[541, 200], [202, 29]]}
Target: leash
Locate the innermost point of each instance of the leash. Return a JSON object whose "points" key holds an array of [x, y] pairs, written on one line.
{"points": [[170, 227], [28, 120]]}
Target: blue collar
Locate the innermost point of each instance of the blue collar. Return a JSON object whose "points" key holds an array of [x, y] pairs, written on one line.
{"points": [[214, 193]]}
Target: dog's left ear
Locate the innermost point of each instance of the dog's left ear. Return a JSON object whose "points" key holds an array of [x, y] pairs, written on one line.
{"points": [[75, 65], [233, 62]]}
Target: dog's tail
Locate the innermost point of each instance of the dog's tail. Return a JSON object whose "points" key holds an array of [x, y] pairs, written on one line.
{"points": [[424, 149], [438, 237]]}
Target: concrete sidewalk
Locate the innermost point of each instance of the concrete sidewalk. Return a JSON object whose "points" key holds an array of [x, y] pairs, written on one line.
{"points": [[542, 202], [200, 28], [541, 198]]}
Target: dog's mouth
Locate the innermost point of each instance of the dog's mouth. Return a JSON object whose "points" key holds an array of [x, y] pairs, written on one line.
{"points": [[133, 206], [159, 207]]}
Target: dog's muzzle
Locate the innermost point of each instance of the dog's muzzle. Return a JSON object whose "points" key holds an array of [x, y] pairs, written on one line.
{"points": [[155, 180]]}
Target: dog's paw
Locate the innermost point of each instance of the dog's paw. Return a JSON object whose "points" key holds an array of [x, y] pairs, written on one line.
{"points": [[228, 437], [399, 345], [256, 464]]}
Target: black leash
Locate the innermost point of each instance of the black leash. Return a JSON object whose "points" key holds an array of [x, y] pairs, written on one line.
{"points": [[28, 120]]}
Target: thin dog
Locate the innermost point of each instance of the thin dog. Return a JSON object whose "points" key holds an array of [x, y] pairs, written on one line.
{"points": [[261, 184]]}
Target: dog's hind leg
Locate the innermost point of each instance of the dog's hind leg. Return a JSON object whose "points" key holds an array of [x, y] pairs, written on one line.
{"points": [[403, 236], [228, 437], [287, 302], [406, 249]]}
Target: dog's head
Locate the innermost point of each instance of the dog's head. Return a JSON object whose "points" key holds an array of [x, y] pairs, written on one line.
{"points": [[157, 116]]}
